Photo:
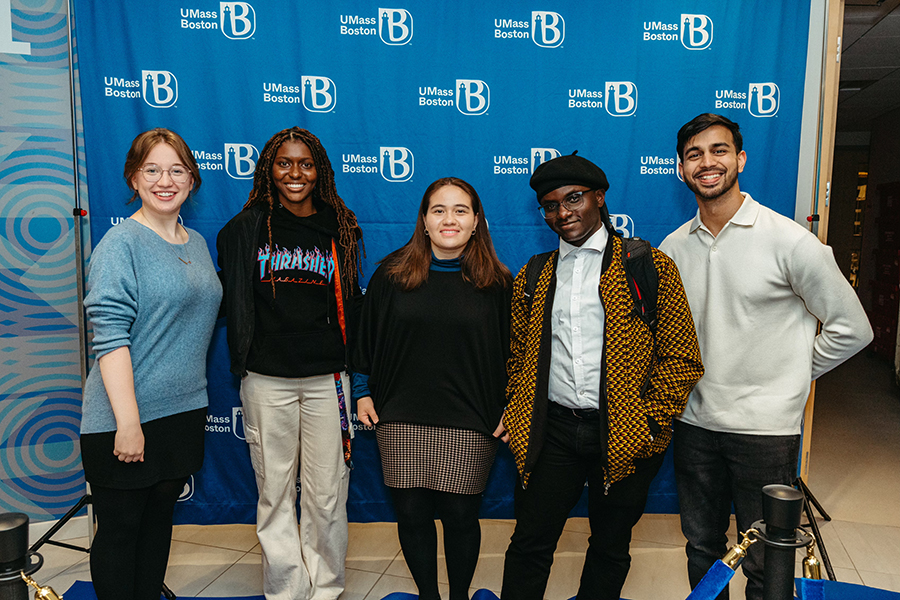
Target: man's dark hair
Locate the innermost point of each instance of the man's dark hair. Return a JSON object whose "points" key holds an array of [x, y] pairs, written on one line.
{"points": [[702, 123]]}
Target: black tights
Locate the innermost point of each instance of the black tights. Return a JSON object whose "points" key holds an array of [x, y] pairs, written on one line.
{"points": [[131, 547], [415, 509]]}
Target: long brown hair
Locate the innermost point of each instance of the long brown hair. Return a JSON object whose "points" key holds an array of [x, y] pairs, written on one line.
{"points": [[264, 192], [147, 141], [408, 266]]}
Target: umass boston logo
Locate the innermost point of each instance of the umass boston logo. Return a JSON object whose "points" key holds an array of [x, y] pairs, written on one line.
{"points": [[621, 98], [236, 20], [523, 164], [395, 163], [546, 29], [473, 96], [160, 88], [394, 26], [760, 99], [470, 96], [764, 99], [315, 93], [240, 160], [695, 32], [319, 94], [624, 224]]}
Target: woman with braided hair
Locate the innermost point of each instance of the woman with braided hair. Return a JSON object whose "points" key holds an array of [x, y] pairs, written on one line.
{"points": [[289, 265]]}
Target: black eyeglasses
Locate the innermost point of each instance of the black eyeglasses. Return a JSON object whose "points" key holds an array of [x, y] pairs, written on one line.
{"points": [[572, 201]]}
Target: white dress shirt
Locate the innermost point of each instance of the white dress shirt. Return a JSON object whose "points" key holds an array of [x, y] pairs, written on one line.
{"points": [[577, 324]]}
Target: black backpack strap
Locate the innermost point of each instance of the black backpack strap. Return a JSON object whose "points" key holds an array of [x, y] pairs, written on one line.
{"points": [[533, 273], [643, 282], [643, 279]]}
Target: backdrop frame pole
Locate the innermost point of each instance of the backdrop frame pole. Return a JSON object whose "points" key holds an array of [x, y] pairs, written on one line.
{"points": [[78, 214]]}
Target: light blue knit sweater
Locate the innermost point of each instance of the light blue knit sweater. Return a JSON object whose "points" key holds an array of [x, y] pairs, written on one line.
{"points": [[142, 296]]}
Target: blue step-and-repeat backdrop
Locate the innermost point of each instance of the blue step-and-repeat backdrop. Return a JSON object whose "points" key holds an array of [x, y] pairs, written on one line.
{"points": [[484, 90]]}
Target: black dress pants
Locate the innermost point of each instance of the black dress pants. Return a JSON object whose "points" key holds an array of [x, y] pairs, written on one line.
{"points": [[571, 456]]}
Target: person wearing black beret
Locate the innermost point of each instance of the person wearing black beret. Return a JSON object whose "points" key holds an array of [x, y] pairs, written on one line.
{"points": [[603, 356]]}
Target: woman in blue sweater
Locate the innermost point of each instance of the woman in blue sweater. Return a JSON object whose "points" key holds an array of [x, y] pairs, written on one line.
{"points": [[434, 338], [153, 300]]}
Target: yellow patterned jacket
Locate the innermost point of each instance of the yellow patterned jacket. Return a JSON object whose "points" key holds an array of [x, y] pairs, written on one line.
{"points": [[628, 360]]}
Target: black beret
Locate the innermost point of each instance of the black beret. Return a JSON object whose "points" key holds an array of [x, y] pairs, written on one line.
{"points": [[567, 170]]}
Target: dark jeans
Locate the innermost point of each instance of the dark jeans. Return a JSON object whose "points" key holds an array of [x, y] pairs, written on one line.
{"points": [[714, 470], [572, 455], [131, 547]]}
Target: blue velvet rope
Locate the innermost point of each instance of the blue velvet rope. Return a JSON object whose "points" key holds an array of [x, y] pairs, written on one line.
{"points": [[713, 582], [822, 589]]}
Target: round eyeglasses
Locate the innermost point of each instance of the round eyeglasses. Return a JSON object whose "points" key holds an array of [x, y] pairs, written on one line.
{"points": [[572, 201], [153, 173]]}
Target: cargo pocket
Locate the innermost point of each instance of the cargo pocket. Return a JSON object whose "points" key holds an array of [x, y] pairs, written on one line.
{"points": [[256, 456]]}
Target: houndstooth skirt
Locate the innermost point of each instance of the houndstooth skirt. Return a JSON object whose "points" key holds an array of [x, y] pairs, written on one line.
{"points": [[443, 459]]}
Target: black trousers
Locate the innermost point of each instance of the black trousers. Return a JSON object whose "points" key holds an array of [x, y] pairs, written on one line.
{"points": [[570, 457], [134, 533]]}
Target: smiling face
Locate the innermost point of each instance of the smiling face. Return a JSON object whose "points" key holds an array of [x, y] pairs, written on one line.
{"points": [[576, 225], [162, 198], [711, 164], [294, 174], [450, 221]]}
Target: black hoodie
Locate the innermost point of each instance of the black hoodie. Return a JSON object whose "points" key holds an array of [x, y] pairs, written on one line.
{"points": [[295, 333]]}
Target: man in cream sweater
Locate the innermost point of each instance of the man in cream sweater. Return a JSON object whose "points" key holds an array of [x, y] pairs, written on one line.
{"points": [[758, 285]]}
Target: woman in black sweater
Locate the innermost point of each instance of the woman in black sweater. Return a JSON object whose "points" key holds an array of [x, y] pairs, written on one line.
{"points": [[434, 338], [289, 264]]}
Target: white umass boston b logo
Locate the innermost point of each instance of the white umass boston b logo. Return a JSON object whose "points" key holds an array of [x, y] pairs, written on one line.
{"points": [[473, 96], [397, 163], [541, 155], [696, 32], [395, 26], [238, 20], [160, 88], [621, 98], [548, 29], [319, 94], [763, 99], [623, 224], [240, 160]]}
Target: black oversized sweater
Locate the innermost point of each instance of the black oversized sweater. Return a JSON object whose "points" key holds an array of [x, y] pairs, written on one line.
{"points": [[435, 355], [238, 249], [297, 332]]}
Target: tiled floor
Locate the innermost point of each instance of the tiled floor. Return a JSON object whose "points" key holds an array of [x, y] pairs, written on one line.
{"points": [[855, 473]]}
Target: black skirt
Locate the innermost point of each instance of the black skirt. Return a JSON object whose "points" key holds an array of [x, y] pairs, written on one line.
{"points": [[173, 449], [444, 459]]}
